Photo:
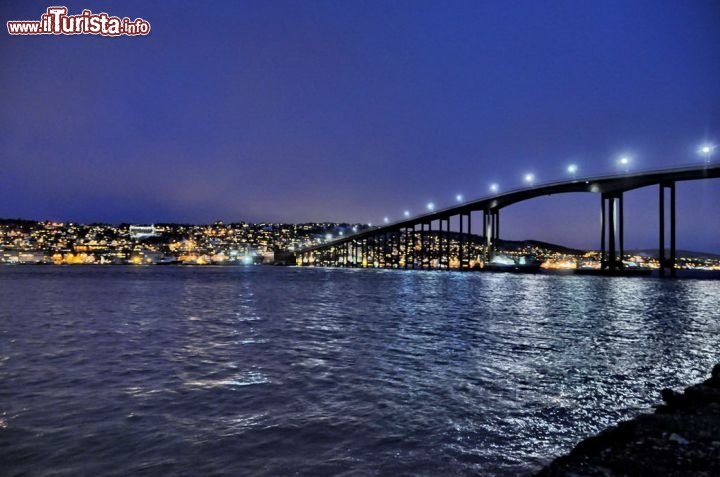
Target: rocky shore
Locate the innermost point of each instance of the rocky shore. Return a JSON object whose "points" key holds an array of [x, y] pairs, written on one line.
{"points": [[682, 438]]}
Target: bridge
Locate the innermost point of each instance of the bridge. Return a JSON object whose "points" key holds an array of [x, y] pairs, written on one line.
{"points": [[428, 242]]}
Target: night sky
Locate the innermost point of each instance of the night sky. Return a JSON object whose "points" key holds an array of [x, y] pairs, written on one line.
{"points": [[352, 111]]}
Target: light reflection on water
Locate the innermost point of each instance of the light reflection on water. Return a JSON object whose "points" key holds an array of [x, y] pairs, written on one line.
{"points": [[276, 371]]}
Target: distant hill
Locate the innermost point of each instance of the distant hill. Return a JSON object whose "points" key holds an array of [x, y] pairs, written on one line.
{"points": [[518, 244], [653, 252]]}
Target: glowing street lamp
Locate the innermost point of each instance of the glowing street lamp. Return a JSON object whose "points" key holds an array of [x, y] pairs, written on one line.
{"points": [[572, 169], [328, 237], [624, 162], [406, 213], [459, 198], [386, 220], [431, 206], [529, 178], [494, 188], [706, 150]]}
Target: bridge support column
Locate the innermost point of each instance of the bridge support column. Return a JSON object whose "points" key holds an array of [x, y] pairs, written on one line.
{"points": [[377, 249], [602, 232], [470, 240], [486, 234], [412, 247], [409, 245], [621, 228], [445, 244], [461, 242], [441, 240], [410, 257], [612, 226], [363, 253], [449, 243], [491, 230], [371, 252], [496, 234], [432, 245], [391, 249], [445, 250], [446, 239], [664, 262], [422, 246], [386, 238], [612, 260], [395, 251], [427, 247]]}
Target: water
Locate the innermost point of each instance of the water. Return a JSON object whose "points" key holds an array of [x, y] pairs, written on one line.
{"points": [[280, 371]]}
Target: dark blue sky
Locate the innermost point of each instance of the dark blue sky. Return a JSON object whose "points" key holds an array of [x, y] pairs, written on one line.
{"points": [[352, 111]]}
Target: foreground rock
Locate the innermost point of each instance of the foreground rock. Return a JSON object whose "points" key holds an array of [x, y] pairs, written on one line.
{"points": [[682, 438]]}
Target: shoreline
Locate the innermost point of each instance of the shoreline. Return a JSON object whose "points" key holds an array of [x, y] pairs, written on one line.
{"points": [[682, 273], [681, 438]]}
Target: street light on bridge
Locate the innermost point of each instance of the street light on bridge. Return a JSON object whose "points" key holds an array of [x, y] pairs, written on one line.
{"points": [[624, 162], [431, 206], [572, 169], [529, 178], [706, 150], [386, 220], [494, 188], [459, 197], [406, 213]]}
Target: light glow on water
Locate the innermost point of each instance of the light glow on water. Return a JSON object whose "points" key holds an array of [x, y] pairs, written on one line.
{"points": [[263, 370]]}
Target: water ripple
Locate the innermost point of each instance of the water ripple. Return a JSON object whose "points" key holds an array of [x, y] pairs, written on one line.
{"points": [[284, 371]]}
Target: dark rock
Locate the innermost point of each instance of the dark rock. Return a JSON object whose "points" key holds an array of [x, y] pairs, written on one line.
{"points": [[682, 438], [670, 396], [715, 374]]}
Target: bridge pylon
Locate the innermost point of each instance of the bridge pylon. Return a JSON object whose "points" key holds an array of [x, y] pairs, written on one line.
{"points": [[491, 231], [612, 224], [665, 261]]}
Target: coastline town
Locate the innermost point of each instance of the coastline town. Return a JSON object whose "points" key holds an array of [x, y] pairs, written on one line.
{"points": [[241, 243]]}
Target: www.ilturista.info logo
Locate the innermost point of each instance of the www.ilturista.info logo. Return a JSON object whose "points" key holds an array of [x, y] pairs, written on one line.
{"points": [[57, 22]]}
